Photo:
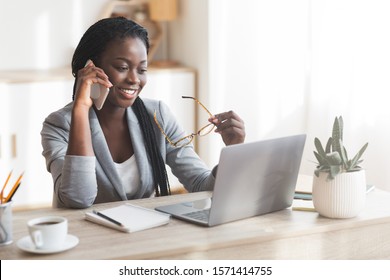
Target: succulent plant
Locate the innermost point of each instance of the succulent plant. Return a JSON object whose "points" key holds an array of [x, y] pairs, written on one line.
{"points": [[334, 158]]}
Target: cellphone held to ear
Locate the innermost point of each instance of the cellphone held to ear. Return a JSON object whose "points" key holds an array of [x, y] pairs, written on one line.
{"points": [[99, 93]]}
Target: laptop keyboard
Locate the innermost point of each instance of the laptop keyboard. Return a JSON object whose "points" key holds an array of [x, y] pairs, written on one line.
{"points": [[201, 215]]}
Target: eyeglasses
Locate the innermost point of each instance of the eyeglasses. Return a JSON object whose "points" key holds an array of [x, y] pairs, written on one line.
{"points": [[184, 141]]}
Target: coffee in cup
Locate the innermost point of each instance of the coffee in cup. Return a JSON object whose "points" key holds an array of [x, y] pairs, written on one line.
{"points": [[48, 233]]}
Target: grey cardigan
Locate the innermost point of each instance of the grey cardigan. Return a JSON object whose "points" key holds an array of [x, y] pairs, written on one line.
{"points": [[80, 181]]}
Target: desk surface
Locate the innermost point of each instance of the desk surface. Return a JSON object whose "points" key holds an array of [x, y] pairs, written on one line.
{"points": [[285, 234]]}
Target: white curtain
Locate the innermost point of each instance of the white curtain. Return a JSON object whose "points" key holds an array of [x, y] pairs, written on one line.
{"points": [[289, 67]]}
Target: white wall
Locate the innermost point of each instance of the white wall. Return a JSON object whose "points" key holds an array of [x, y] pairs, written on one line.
{"points": [[42, 34], [189, 44], [295, 65], [290, 67]]}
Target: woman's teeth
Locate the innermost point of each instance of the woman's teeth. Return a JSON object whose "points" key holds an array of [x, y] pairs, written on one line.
{"points": [[129, 91]]}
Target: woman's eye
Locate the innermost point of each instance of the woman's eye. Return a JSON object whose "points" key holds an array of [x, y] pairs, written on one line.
{"points": [[142, 71], [122, 68]]}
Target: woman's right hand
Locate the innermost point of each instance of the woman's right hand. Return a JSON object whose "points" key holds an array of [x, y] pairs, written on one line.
{"points": [[87, 76], [80, 140]]}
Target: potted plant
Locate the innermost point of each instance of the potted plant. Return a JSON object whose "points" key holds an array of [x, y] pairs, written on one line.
{"points": [[339, 184]]}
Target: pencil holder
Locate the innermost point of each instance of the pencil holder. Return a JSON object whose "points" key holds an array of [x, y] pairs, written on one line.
{"points": [[5, 223]]}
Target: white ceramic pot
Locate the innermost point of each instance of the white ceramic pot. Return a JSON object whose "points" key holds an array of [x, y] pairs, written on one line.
{"points": [[342, 197]]}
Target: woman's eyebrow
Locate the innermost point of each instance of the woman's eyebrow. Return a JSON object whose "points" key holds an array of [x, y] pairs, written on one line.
{"points": [[129, 61]]}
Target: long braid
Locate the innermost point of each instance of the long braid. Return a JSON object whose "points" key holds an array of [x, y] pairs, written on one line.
{"points": [[91, 46], [159, 171]]}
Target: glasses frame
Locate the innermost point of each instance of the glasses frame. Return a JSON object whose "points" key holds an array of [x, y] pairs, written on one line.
{"points": [[191, 136]]}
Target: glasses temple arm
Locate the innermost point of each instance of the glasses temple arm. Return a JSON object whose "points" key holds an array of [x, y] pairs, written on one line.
{"points": [[204, 107]]}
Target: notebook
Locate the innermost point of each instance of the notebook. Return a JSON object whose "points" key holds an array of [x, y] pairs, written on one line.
{"points": [[131, 218], [252, 179]]}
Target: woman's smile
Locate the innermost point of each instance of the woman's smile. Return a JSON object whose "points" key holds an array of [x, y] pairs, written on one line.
{"points": [[128, 92]]}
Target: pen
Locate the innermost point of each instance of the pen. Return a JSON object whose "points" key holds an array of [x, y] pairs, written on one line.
{"points": [[108, 218], [2, 190], [14, 188], [11, 194]]}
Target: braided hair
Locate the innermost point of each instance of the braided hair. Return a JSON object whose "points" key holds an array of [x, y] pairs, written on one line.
{"points": [[91, 46]]}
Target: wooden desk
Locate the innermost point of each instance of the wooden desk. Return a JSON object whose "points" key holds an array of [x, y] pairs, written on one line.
{"points": [[284, 234]]}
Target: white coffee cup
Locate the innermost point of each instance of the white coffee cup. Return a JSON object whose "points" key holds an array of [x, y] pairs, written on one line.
{"points": [[48, 233]]}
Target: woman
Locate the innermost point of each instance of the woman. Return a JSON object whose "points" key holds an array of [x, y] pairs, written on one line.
{"points": [[119, 152]]}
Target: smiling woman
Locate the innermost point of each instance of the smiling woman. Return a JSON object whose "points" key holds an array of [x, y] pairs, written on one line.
{"points": [[91, 152]]}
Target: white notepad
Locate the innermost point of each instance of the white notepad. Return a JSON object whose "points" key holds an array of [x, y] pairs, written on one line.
{"points": [[133, 218]]}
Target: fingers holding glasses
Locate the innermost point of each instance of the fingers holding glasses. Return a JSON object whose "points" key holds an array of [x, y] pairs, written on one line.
{"points": [[230, 126]]}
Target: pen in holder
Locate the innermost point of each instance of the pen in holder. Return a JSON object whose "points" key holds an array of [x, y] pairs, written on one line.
{"points": [[6, 211], [5, 223], [5, 199]]}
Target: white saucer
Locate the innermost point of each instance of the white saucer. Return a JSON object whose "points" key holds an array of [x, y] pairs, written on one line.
{"points": [[27, 245]]}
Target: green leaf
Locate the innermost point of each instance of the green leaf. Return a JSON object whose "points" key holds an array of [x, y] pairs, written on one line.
{"points": [[333, 159], [337, 132], [334, 171], [319, 147], [337, 135], [321, 160], [341, 125], [328, 145], [343, 154], [356, 158], [324, 168]]}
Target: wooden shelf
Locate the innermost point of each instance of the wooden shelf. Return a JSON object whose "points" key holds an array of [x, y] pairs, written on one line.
{"points": [[31, 76], [58, 74], [128, 9]]}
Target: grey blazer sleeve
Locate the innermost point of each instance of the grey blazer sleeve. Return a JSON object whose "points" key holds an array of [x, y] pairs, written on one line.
{"points": [[73, 176]]}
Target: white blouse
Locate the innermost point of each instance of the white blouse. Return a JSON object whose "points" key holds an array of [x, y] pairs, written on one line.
{"points": [[129, 175]]}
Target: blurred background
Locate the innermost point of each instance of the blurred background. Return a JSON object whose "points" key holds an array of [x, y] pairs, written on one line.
{"points": [[286, 67]]}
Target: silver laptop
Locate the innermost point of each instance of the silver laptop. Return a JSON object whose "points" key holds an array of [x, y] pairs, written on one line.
{"points": [[252, 179]]}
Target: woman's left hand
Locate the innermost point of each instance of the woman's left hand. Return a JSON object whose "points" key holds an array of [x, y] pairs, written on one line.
{"points": [[230, 126]]}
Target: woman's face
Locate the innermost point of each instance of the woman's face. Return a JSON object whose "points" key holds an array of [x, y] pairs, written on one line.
{"points": [[125, 63]]}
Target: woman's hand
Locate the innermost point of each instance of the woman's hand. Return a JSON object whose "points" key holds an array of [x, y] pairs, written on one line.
{"points": [[87, 76], [230, 126]]}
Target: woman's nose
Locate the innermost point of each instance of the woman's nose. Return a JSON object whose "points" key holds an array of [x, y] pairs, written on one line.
{"points": [[132, 77]]}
